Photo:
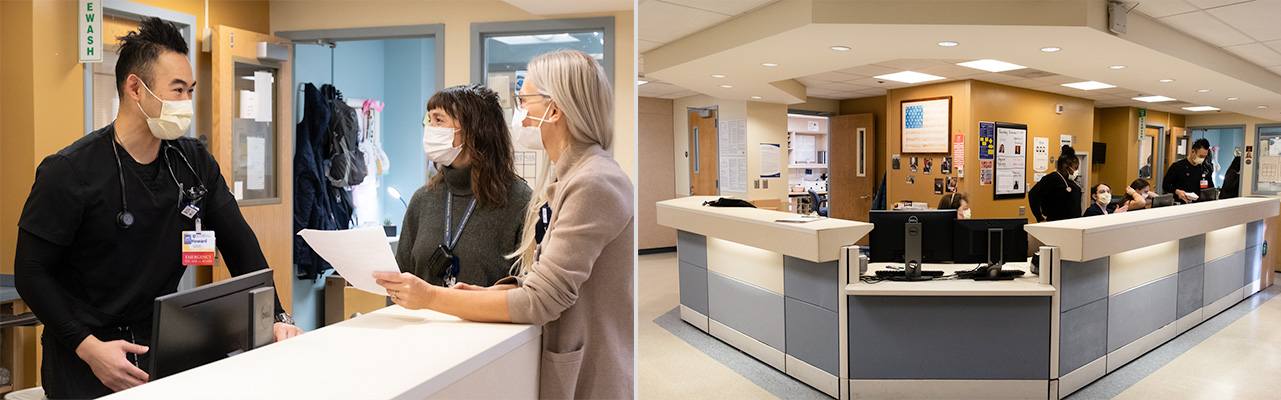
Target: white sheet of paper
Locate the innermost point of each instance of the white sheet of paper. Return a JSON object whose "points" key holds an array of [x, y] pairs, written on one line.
{"points": [[262, 90], [256, 165], [248, 105], [355, 254], [238, 189]]}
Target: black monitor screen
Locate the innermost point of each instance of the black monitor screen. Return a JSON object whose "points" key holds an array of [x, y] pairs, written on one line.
{"points": [[971, 240], [887, 238], [198, 326]]}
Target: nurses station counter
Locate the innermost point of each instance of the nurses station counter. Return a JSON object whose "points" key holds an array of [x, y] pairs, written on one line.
{"points": [[1111, 288], [392, 353]]}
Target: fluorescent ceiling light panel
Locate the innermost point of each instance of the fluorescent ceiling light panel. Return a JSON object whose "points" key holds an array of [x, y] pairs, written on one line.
{"points": [[536, 39], [909, 77], [641, 82], [1050, 49], [948, 44], [1201, 108], [1152, 99], [990, 65], [1089, 85]]}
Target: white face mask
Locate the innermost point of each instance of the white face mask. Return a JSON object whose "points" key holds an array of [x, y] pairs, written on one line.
{"points": [[175, 117], [965, 214], [529, 136], [1196, 160], [1105, 198], [1074, 174], [438, 143]]}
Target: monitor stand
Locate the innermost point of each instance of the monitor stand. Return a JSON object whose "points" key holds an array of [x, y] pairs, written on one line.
{"points": [[912, 256], [995, 257]]}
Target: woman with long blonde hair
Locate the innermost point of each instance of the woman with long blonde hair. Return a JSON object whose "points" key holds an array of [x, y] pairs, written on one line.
{"points": [[574, 268]]}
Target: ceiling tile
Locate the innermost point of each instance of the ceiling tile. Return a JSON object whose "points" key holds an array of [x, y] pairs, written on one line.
{"points": [[872, 92], [1258, 19], [1158, 9], [665, 22], [1205, 27], [868, 70], [952, 71], [1257, 53], [1060, 79], [909, 64], [1207, 4], [834, 77], [995, 77], [727, 7]]}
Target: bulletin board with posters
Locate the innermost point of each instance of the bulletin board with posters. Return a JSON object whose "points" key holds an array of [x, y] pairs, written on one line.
{"points": [[1011, 161]]}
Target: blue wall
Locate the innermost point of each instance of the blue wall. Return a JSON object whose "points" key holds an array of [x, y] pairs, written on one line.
{"points": [[400, 73]]}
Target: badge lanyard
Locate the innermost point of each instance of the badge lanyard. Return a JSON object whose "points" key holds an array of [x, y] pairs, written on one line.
{"points": [[540, 228], [451, 275]]}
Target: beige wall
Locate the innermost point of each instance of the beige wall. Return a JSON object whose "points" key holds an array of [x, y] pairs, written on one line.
{"points": [[766, 123], [458, 17], [726, 110], [658, 178], [1251, 137]]}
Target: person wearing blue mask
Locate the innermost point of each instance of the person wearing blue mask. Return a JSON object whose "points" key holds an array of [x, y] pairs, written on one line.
{"points": [[100, 234]]}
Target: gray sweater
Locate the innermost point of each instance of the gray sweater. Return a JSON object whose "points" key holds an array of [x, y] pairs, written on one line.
{"points": [[489, 235]]}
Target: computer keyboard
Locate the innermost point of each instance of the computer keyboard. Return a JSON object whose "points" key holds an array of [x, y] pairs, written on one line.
{"points": [[1003, 275], [886, 273]]}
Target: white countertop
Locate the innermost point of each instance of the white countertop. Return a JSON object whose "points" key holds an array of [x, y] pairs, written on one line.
{"points": [[389, 353], [1026, 285], [1088, 238], [818, 241]]}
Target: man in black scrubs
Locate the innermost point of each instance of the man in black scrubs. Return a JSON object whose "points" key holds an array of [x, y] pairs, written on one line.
{"points": [[1191, 174], [100, 234]]}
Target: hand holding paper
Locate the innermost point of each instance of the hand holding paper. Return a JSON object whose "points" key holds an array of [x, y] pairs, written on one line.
{"points": [[355, 254]]}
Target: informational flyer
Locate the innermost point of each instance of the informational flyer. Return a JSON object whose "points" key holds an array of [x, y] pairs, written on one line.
{"points": [[770, 160], [1040, 154], [987, 140], [1011, 169], [732, 146], [958, 151]]}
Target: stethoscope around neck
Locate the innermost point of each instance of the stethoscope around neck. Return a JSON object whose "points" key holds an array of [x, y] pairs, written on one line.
{"points": [[125, 218]]}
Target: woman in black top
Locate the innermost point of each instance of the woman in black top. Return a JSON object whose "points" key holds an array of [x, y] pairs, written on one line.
{"points": [[1232, 180], [1057, 196]]}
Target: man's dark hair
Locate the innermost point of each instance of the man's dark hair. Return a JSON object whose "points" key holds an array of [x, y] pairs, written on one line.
{"points": [[1201, 143], [140, 49]]}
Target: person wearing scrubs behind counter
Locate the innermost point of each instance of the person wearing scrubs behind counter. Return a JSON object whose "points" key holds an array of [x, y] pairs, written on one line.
{"points": [[574, 275], [459, 226], [1057, 196], [101, 233], [1188, 176]]}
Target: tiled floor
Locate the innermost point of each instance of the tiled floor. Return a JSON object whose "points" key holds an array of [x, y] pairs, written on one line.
{"points": [[1235, 355]]}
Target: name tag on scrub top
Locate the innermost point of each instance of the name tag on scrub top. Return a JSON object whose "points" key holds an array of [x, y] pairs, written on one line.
{"points": [[1205, 184], [198, 247]]}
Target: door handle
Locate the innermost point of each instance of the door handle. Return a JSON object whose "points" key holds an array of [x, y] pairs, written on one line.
{"points": [[864, 197]]}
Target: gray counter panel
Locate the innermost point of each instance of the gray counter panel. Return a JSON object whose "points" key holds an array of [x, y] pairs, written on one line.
{"points": [[1191, 251], [1191, 290], [692, 248], [1224, 276], [1141, 310], [1082, 282], [1083, 335], [1254, 233], [1253, 264], [693, 287], [812, 334], [753, 311], [811, 282]]}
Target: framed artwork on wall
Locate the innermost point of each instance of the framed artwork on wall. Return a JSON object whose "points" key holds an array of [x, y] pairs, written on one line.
{"points": [[926, 124]]}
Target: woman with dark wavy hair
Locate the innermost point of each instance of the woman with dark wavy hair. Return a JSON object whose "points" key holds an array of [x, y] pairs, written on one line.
{"points": [[470, 214]]}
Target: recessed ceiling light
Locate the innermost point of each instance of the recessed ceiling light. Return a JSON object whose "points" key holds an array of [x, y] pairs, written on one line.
{"points": [[1152, 99], [909, 77], [718, 76], [1050, 49], [769, 64], [1088, 85], [1262, 106], [1117, 67], [839, 48], [1202, 90], [727, 86], [1233, 98], [948, 44], [1201, 108], [990, 65], [1166, 80], [641, 82], [756, 97]]}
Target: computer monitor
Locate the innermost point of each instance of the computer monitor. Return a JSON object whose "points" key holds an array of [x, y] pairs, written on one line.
{"points": [[1208, 194], [209, 323], [991, 241], [888, 241], [1163, 200]]}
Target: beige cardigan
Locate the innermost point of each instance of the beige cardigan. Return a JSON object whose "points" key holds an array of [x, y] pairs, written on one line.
{"points": [[580, 285]]}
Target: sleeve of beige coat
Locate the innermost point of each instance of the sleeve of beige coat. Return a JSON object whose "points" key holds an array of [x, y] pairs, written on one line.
{"points": [[596, 209]]}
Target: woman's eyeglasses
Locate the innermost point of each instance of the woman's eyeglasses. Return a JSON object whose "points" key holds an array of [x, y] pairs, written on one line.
{"points": [[521, 98]]}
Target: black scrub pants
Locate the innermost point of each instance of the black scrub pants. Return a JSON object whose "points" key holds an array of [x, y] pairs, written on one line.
{"points": [[66, 376]]}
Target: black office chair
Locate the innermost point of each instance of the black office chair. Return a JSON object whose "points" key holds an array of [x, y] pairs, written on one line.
{"points": [[816, 205]]}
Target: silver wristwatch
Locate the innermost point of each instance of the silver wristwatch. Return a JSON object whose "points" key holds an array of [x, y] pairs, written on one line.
{"points": [[285, 317]]}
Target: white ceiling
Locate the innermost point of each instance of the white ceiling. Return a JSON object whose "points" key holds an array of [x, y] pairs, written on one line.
{"points": [[560, 7], [676, 19], [1240, 32]]}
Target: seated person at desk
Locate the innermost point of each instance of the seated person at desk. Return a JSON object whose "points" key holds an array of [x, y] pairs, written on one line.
{"points": [[1101, 196], [87, 268], [473, 208], [956, 201], [1138, 195], [1057, 196], [1190, 175]]}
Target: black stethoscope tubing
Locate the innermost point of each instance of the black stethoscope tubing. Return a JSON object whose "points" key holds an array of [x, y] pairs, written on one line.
{"points": [[125, 218]]}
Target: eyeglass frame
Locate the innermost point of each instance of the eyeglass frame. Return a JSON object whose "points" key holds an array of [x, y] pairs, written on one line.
{"points": [[520, 98]]}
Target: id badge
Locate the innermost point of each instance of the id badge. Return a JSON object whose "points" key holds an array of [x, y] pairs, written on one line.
{"points": [[198, 247], [1205, 184]]}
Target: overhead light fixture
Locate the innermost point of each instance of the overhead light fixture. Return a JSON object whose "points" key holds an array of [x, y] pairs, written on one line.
{"points": [[769, 64], [756, 97], [1233, 98], [1050, 49], [1262, 106], [909, 77], [1117, 67], [948, 44], [1152, 99], [641, 82], [727, 86], [991, 65], [1166, 80], [718, 76], [1202, 90], [1088, 85], [1201, 108], [839, 48]]}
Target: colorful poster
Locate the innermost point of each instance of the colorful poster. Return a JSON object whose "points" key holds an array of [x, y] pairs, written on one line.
{"points": [[926, 124], [938, 185], [987, 141], [985, 173], [958, 151], [1011, 169]]}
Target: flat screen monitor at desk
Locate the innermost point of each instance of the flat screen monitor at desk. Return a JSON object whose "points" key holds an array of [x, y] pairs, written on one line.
{"points": [[1163, 200], [209, 323], [972, 242], [887, 238]]}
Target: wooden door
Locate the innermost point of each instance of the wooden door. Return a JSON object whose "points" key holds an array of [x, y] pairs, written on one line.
{"points": [[703, 154], [852, 177], [258, 168]]}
